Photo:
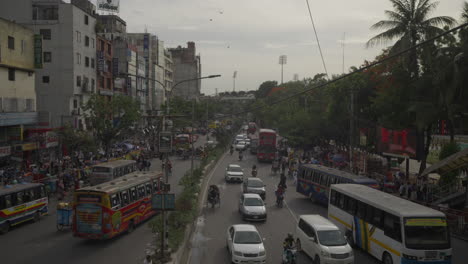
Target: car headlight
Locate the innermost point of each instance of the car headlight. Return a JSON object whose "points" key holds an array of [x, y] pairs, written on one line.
{"points": [[410, 257], [262, 253], [238, 253], [324, 253]]}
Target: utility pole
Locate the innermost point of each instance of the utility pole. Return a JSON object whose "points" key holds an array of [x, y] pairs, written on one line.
{"points": [[351, 132], [234, 81]]}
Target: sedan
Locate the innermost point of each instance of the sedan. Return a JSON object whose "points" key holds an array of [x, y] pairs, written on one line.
{"points": [[245, 244], [234, 172], [240, 145], [254, 185], [252, 207]]}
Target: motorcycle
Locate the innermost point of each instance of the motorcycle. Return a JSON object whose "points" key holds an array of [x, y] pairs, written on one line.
{"points": [[289, 256], [279, 199], [240, 157]]}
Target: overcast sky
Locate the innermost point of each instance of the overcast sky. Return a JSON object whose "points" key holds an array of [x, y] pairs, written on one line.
{"points": [[248, 36]]}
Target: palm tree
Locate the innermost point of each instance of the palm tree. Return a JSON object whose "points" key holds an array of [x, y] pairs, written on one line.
{"points": [[409, 23]]}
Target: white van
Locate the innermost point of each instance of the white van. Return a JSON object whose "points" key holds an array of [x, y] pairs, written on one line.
{"points": [[323, 241]]}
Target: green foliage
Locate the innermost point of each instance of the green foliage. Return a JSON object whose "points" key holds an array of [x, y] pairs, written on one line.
{"points": [[265, 88], [74, 139], [110, 117], [446, 151]]}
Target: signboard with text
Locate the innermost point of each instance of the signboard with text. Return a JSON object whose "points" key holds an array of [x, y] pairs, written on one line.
{"points": [[108, 5], [165, 201]]}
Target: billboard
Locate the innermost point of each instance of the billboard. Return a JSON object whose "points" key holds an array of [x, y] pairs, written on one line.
{"points": [[399, 142], [108, 5]]}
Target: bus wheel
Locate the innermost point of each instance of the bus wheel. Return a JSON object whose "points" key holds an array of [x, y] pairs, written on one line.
{"points": [[37, 217], [387, 259], [5, 228], [131, 227]]}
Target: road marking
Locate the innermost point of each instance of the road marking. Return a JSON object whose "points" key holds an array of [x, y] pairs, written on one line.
{"points": [[291, 212]]}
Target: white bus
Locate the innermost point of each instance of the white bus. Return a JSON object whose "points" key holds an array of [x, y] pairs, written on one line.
{"points": [[107, 171], [392, 229]]}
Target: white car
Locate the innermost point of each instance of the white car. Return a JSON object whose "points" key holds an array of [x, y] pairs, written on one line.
{"points": [[245, 244], [234, 172], [252, 207], [239, 137], [241, 145], [247, 142]]}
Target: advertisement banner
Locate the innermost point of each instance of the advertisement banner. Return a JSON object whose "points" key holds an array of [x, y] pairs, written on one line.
{"points": [[38, 51], [115, 66], [399, 142], [108, 5], [52, 139], [5, 151], [29, 146], [100, 61]]}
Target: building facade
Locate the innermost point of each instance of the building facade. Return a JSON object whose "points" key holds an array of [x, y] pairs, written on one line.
{"points": [[68, 43], [17, 89], [187, 66], [105, 68]]}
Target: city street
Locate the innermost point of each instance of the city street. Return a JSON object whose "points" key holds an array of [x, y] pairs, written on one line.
{"points": [[41, 243], [209, 241]]}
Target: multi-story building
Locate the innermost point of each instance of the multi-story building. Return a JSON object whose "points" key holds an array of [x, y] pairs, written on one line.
{"points": [[105, 67], [69, 51], [141, 85], [111, 27], [168, 69], [17, 88], [147, 44], [187, 65]]}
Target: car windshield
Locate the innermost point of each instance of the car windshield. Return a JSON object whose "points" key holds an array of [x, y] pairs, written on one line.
{"points": [[240, 143], [253, 202], [331, 238], [426, 233], [247, 237], [255, 183], [235, 169]]}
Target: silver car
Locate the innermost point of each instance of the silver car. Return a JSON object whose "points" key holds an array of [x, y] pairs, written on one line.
{"points": [[254, 185], [252, 207], [234, 172]]}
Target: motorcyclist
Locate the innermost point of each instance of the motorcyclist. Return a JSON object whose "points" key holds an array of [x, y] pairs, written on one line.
{"points": [[231, 150], [275, 165], [282, 181], [254, 171], [213, 193], [280, 194], [289, 246], [240, 155], [288, 242]]}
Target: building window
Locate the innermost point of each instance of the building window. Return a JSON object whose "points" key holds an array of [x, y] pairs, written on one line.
{"points": [[86, 20], [11, 42], [75, 104], [47, 56], [45, 79], [93, 83], [46, 34], [109, 83], [45, 12], [92, 63], [78, 81], [78, 36], [11, 74], [109, 49], [86, 61], [101, 45], [108, 66], [78, 58], [86, 40], [92, 42], [101, 81]]}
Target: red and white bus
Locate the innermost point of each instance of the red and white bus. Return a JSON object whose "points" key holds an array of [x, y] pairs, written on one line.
{"points": [[108, 209], [252, 128], [266, 150]]}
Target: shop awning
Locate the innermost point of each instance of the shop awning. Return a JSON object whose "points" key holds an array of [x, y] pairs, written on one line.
{"points": [[456, 161]]}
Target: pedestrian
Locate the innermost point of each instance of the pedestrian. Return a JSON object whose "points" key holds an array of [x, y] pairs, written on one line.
{"points": [[409, 190], [295, 177], [402, 189]]}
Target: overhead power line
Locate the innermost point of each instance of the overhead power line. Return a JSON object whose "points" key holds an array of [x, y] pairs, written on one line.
{"points": [[316, 37], [461, 27]]}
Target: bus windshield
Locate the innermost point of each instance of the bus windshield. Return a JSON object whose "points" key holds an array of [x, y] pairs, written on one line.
{"points": [[426, 233], [331, 238]]}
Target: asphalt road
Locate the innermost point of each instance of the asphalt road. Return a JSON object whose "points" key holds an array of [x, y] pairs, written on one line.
{"points": [[209, 241], [41, 243]]}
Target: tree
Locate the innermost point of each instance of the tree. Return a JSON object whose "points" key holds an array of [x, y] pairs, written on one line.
{"points": [[409, 23], [465, 13], [265, 88], [108, 118], [74, 140], [446, 151]]}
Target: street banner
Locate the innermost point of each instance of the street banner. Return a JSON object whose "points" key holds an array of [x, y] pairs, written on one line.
{"points": [[108, 5]]}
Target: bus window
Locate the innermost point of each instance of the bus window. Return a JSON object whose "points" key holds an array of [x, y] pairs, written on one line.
{"points": [[7, 201], [341, 200], [369, 213], [141, 191], [351, 206], [115, 201], [124, 198], [27, 197], [37, 193], [2, 203], [43, 191], [133, 194], [333, 197], [361, 210], [392, 227], [377, 218], [19, 198], [149, 190]]}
